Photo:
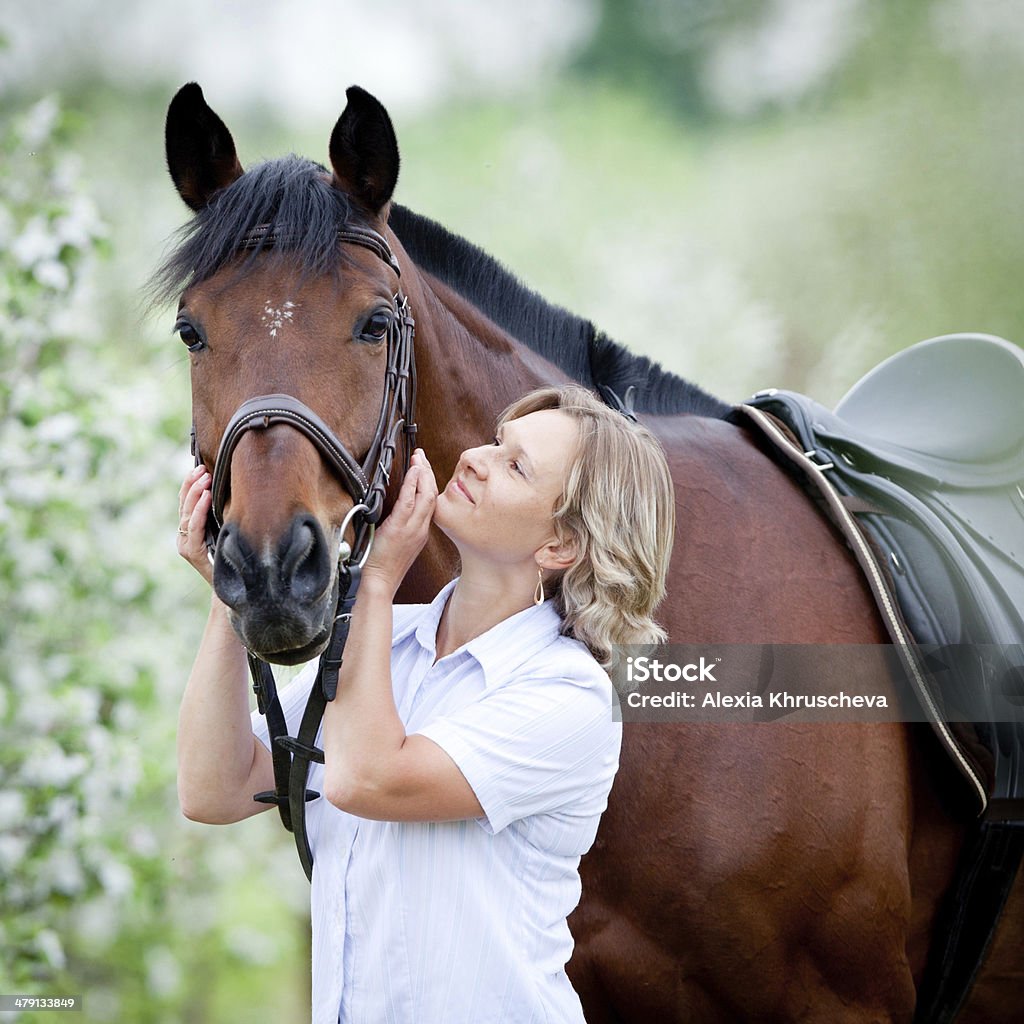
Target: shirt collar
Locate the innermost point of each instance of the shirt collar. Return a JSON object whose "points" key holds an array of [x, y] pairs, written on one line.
{"points": [[425, 624], [503, 648]]}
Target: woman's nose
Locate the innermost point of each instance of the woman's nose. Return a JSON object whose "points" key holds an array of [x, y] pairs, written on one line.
{"points": [[476, 459]]}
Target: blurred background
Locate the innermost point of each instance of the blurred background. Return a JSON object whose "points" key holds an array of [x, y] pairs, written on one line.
{"points": [[753, 192]]}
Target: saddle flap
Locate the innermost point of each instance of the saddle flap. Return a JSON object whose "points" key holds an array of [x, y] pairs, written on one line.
{"points": [[948, 408]]}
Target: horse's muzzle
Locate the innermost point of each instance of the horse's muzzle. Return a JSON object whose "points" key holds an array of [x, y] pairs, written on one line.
{"points": [[282, 598]]}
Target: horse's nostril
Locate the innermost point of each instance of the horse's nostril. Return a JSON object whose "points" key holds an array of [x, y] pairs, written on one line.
{"points": [[305, 567], [229, 566], [297, 549]]}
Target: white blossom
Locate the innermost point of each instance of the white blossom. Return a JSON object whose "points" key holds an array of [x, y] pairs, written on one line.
{"points": [[35, 243], [143, 841], [39, 120], [59, 428], [49, 945], [257, 947], [163, 972], [115, 878], [12, 809], [51, 273], [48, 765], [63, 873], [12, 851]]}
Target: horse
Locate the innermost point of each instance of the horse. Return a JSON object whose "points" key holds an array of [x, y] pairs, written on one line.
{"points": [[741, 873]]}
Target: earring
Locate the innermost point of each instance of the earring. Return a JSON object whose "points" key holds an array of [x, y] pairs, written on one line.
{"points": [[538, 594]]}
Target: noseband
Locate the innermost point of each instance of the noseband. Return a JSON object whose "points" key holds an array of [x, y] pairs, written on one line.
{"points": [[366, 481]]}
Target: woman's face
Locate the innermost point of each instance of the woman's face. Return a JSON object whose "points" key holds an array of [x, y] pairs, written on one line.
{"points": [[500, 497]]}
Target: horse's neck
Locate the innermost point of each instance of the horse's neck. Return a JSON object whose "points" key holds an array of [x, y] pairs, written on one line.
{"points": [[468, 371]]}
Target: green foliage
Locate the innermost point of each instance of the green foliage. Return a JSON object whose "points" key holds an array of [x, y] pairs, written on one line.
{"points": [[105, 892], [790, 244], [60, 749], [660, 48]]}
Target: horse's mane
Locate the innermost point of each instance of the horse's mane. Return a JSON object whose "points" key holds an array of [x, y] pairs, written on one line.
{"points": [[295, 197], [569, 341]]}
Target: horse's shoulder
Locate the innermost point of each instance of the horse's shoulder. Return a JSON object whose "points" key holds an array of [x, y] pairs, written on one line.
{"points": [[701, 446], [719, 470]]}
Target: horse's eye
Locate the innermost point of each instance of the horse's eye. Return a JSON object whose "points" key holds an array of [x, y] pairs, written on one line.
{"points": [[376, 327], [189, 336]]}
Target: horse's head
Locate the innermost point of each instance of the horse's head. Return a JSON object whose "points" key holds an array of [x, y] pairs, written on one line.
{"points": [[286, 293]]}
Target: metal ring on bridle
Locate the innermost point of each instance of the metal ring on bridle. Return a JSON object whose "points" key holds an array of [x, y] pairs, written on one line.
{"points": [[344, 548]]}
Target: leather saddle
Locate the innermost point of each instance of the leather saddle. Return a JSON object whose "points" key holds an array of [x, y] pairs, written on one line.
{"points": [[928, 449], [922, 462]]}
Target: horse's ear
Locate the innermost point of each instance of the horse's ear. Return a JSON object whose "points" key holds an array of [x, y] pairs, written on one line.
{"points": [[200, 151], [364, 151]]}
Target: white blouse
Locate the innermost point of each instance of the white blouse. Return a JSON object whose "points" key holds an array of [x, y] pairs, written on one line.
{"points": [[465, 921]]}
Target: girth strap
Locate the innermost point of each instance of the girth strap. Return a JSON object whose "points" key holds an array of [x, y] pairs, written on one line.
{"points": [[969, 917]]}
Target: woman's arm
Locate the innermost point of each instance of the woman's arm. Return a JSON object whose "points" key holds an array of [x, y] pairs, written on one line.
{"points": [[372, 768], [221, 764]]}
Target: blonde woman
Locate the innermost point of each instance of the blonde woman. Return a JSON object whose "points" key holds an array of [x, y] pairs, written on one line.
{"points": [[471, 747]]}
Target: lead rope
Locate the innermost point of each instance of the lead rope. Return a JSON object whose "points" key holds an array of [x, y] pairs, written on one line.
{"points": [[268, 705], [303, 749]]}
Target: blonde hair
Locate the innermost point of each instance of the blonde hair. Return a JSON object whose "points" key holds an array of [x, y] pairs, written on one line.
{"points": [[618, 505]]}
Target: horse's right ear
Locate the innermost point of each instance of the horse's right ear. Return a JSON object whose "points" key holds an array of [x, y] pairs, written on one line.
{"points": [[364, 151], [200, 151]]}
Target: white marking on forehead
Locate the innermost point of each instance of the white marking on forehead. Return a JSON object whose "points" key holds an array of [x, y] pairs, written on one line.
{"points": [[276, 317]]}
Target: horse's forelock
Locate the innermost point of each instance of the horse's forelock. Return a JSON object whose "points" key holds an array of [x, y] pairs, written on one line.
{"points": [[291, 194]]}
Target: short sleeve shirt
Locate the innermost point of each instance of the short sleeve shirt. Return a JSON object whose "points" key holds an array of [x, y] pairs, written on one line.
{"points": [[465, 921]]}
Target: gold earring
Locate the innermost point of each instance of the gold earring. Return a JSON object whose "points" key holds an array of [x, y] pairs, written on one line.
{"points": [[538, 594]]}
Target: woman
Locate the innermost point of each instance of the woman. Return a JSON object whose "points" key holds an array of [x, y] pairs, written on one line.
{"points": [[471, 746]]}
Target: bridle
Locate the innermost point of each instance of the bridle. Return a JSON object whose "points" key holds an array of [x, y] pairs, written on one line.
{"points": [[366, 481]]}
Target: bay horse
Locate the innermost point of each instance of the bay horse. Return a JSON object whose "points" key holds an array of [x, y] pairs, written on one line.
{"points": [[771, 872]]}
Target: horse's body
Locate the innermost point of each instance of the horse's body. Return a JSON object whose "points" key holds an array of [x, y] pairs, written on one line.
{"points": [[772, 872]]}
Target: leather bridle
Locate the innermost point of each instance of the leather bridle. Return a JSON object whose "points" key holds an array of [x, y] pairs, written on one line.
{"points": [[366, 480]]}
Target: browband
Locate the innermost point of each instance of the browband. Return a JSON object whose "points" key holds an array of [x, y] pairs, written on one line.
{"points": [[262, 236]]}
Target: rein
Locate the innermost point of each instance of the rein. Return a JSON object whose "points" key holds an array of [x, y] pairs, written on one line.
{"points": [[366, 481]]}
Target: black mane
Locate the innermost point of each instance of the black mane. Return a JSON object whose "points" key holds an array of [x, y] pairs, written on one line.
{"points": [[293, 195], [305, 212], [570, 342]]}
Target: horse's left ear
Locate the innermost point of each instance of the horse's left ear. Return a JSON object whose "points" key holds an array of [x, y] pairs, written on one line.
{"points": [[200, 151], [364, 151]]}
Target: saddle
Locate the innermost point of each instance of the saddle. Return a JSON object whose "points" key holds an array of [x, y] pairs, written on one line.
{"points": [[921, 467]]}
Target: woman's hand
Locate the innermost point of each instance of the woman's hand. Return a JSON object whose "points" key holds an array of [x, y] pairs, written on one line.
{"points": [[401, 537], [194, 500]]}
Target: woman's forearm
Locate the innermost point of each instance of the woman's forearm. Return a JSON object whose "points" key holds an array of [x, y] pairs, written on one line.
{"points": [[363, 734], [220, 762]]}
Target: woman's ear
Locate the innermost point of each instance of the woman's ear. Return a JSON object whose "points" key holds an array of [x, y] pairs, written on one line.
{"points": [[559, 554]]}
